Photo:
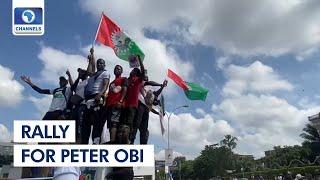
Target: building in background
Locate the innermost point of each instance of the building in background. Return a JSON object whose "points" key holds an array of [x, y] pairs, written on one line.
{"points": [[6, 149]]}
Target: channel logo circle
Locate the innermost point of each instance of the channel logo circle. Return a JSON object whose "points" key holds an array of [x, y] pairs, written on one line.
{"points": [[28, 16]]}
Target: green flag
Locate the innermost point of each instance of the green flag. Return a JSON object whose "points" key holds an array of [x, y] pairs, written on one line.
{"points": [[195, 92]]}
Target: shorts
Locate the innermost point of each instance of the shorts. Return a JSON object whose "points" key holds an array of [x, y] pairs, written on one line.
{"points": [[128, 116], [113, 116], [52, 115]]}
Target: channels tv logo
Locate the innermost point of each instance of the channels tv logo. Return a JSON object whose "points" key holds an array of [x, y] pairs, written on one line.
{"points": [[28, 17]]}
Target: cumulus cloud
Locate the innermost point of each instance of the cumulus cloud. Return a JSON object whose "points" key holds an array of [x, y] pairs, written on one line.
{"points": [[245, 27], [222, 62], [191, 133], [255, 78], [41, 104], [56, 63], [261, 119], [9, 84], [5, 134]]}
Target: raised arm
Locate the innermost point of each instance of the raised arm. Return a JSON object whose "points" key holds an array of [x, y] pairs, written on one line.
{"points": [[36, 88], [158, 92], [152, 83], [91, 69], [75, 84], [69, 77]]}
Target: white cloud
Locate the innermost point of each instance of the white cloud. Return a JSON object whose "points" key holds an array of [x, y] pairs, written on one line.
{"points": [[222, 62], [10, 89], [245, 27], [264, 121], [41, 104], [261, 120], [307, 53], [5, 134], [265, 112], [255, 78], [57, 62], [191, 133], [200, 111]]}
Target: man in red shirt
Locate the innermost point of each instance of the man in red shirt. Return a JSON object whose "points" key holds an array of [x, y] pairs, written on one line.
{"points": [[116, 95], [135, 83]]}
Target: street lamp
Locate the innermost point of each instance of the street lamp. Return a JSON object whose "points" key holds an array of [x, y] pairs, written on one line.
{"points": [[183, 106]]}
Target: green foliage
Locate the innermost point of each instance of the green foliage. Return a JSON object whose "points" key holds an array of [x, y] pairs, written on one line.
{"points": [[286, 156], [229, 141], [5, 160], [247, 164], [269, 174], [311, 140], [187, 171], [213, 161], [160, 175], [310, 134]]}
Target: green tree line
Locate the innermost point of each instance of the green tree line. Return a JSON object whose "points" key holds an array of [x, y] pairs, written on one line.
{"points": [[220, 160]]}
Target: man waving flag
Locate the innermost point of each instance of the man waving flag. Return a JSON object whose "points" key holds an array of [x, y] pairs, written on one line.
{"points": [[110, 34], [193, 91]]}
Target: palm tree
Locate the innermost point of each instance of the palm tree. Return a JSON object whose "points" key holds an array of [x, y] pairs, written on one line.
{"points": [[310, 135], [229, 141], [311, 140]]}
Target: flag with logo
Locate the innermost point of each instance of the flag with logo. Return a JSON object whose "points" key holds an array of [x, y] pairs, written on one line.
{"points": [[193, 91], [110, 34]]}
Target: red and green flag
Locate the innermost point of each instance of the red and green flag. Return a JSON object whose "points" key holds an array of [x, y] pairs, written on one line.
{"points": [[110, 34], [193, 91]]}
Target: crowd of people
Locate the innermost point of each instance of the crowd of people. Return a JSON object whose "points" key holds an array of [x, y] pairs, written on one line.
{"points": [[93, 100]]}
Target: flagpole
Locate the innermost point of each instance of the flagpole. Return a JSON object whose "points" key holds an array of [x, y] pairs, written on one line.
{"points": [[97, 30]]}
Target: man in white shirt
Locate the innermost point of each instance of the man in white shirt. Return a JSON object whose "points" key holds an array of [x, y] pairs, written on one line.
{"points": [[59, 100], [57, 108], [93, 92]]}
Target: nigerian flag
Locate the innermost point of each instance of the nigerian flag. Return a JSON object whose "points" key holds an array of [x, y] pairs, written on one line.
{"points": [[110, 34]]}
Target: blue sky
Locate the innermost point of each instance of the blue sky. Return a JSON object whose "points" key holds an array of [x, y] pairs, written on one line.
{"points": [[261, 67]]}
